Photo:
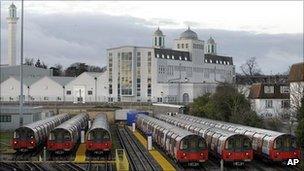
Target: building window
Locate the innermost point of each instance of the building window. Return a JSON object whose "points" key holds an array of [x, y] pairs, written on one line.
{"points": [[159, 99], [69, 92], [5, 118], [284, 89], [45, 98], [59, 98], [177, 46], [186, 45], [90, 92], [182, 46], [268, 104], [269, 89], [285, 104]]}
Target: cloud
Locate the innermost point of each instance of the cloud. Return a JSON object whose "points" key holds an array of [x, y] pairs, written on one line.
{"points": [[68, 38]]}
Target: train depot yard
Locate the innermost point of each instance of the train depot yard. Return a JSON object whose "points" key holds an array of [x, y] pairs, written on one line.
{"points": [[140, 140]]}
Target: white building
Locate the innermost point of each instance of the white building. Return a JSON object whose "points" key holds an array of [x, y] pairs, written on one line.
{"points": [[296, 79], [159, 74], [270, 100], [87, 87], [49, 89], [12, 38]]}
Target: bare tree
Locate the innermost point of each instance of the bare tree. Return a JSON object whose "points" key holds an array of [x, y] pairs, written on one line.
{"points": [[251, 67], [29, 61]]}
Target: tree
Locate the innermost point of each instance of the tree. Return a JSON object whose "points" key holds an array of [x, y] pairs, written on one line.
{"points": [[40, 64], [76, 69], [29, 61], [226, 104], [251, 67], [57, 70]]}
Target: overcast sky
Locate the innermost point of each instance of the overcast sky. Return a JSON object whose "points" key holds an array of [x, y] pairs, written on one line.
{"points": [[67, 32]]}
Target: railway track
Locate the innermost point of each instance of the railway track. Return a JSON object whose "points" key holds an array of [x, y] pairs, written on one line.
{"points": [[138, 156]]}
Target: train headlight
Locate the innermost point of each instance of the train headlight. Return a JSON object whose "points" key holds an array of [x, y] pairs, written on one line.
{"points": [[15, 142], [202, 154], [66, 144], [184, 154], [106, 144], [32, 142], [247, 154], [229, 154], [295, 153]]}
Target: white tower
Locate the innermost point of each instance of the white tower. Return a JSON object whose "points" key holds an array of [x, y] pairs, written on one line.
{"points": [[210, 46], [12, 23], [158, 39]]}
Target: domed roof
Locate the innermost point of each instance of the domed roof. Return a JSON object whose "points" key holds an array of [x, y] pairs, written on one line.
{"points": [[158, 32], [12, 6], [188, 34], [211, 41]]}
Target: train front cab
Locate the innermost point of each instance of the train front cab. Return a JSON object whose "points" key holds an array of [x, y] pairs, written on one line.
{"points": [[237, 149], [190, 149], [99, 140], [283, 148], [24, 139], [60, 140]]}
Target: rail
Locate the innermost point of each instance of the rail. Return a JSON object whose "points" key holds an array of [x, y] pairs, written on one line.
{"points": [[137, 154]]}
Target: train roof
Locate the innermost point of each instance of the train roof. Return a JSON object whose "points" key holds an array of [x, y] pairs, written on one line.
{"points": [[235, 126], [42, 122], [223, 133], [71, 122], [101, 121], [174, 129]]}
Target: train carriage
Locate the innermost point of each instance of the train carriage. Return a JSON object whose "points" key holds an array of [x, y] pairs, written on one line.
{"points": [[183, 146], [272, 145], [34, 135], [226, 145], [98, 137], [65, 137]]}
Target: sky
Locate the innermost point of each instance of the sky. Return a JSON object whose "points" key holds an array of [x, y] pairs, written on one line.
{"points": [[67, 31]]}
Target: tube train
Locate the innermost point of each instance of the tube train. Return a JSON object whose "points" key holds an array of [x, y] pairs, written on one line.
{"points": [[272, 145], [183, 146], [65, 137], [33, 135], [98, 137], [230, 146]]}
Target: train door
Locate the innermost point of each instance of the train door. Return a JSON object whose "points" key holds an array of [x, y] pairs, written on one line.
{"points": [[79, 94]]}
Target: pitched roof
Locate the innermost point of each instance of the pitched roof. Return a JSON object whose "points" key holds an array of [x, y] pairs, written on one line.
{"points": [[257, 92], [172, 54], [27, 80], [94, 74], [296, 73], [62, 80]]}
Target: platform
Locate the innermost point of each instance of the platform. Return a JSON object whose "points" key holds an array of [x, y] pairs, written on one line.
{"points": [[161, 160], [81, 153]]}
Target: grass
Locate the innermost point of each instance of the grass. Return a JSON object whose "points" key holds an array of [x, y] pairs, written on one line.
{"points": [[5, 140]]}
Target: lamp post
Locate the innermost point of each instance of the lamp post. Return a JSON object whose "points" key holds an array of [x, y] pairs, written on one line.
{"points": [[95, 89], [21, 69]]}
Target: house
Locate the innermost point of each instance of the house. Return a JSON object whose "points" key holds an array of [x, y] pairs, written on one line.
{"points": [[49, 88], [87, 87], [10, 88], [269, 100]]}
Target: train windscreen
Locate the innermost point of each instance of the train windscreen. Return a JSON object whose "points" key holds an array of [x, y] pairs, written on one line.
{"points": [[238, 143], [99, 135], [285, 143], [192, 143], [60, 136], [24, 134]]}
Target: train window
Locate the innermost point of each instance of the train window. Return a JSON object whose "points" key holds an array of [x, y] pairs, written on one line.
{"points": [[67, 137], [51, 137], [278, 143], [237, 143], [246, 144], [293, 143], [229, 144], [106, 136], [201, 144], [184, 145]]}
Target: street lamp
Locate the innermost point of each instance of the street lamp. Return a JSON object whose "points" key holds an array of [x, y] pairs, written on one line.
{"points": [[95, 89]]}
